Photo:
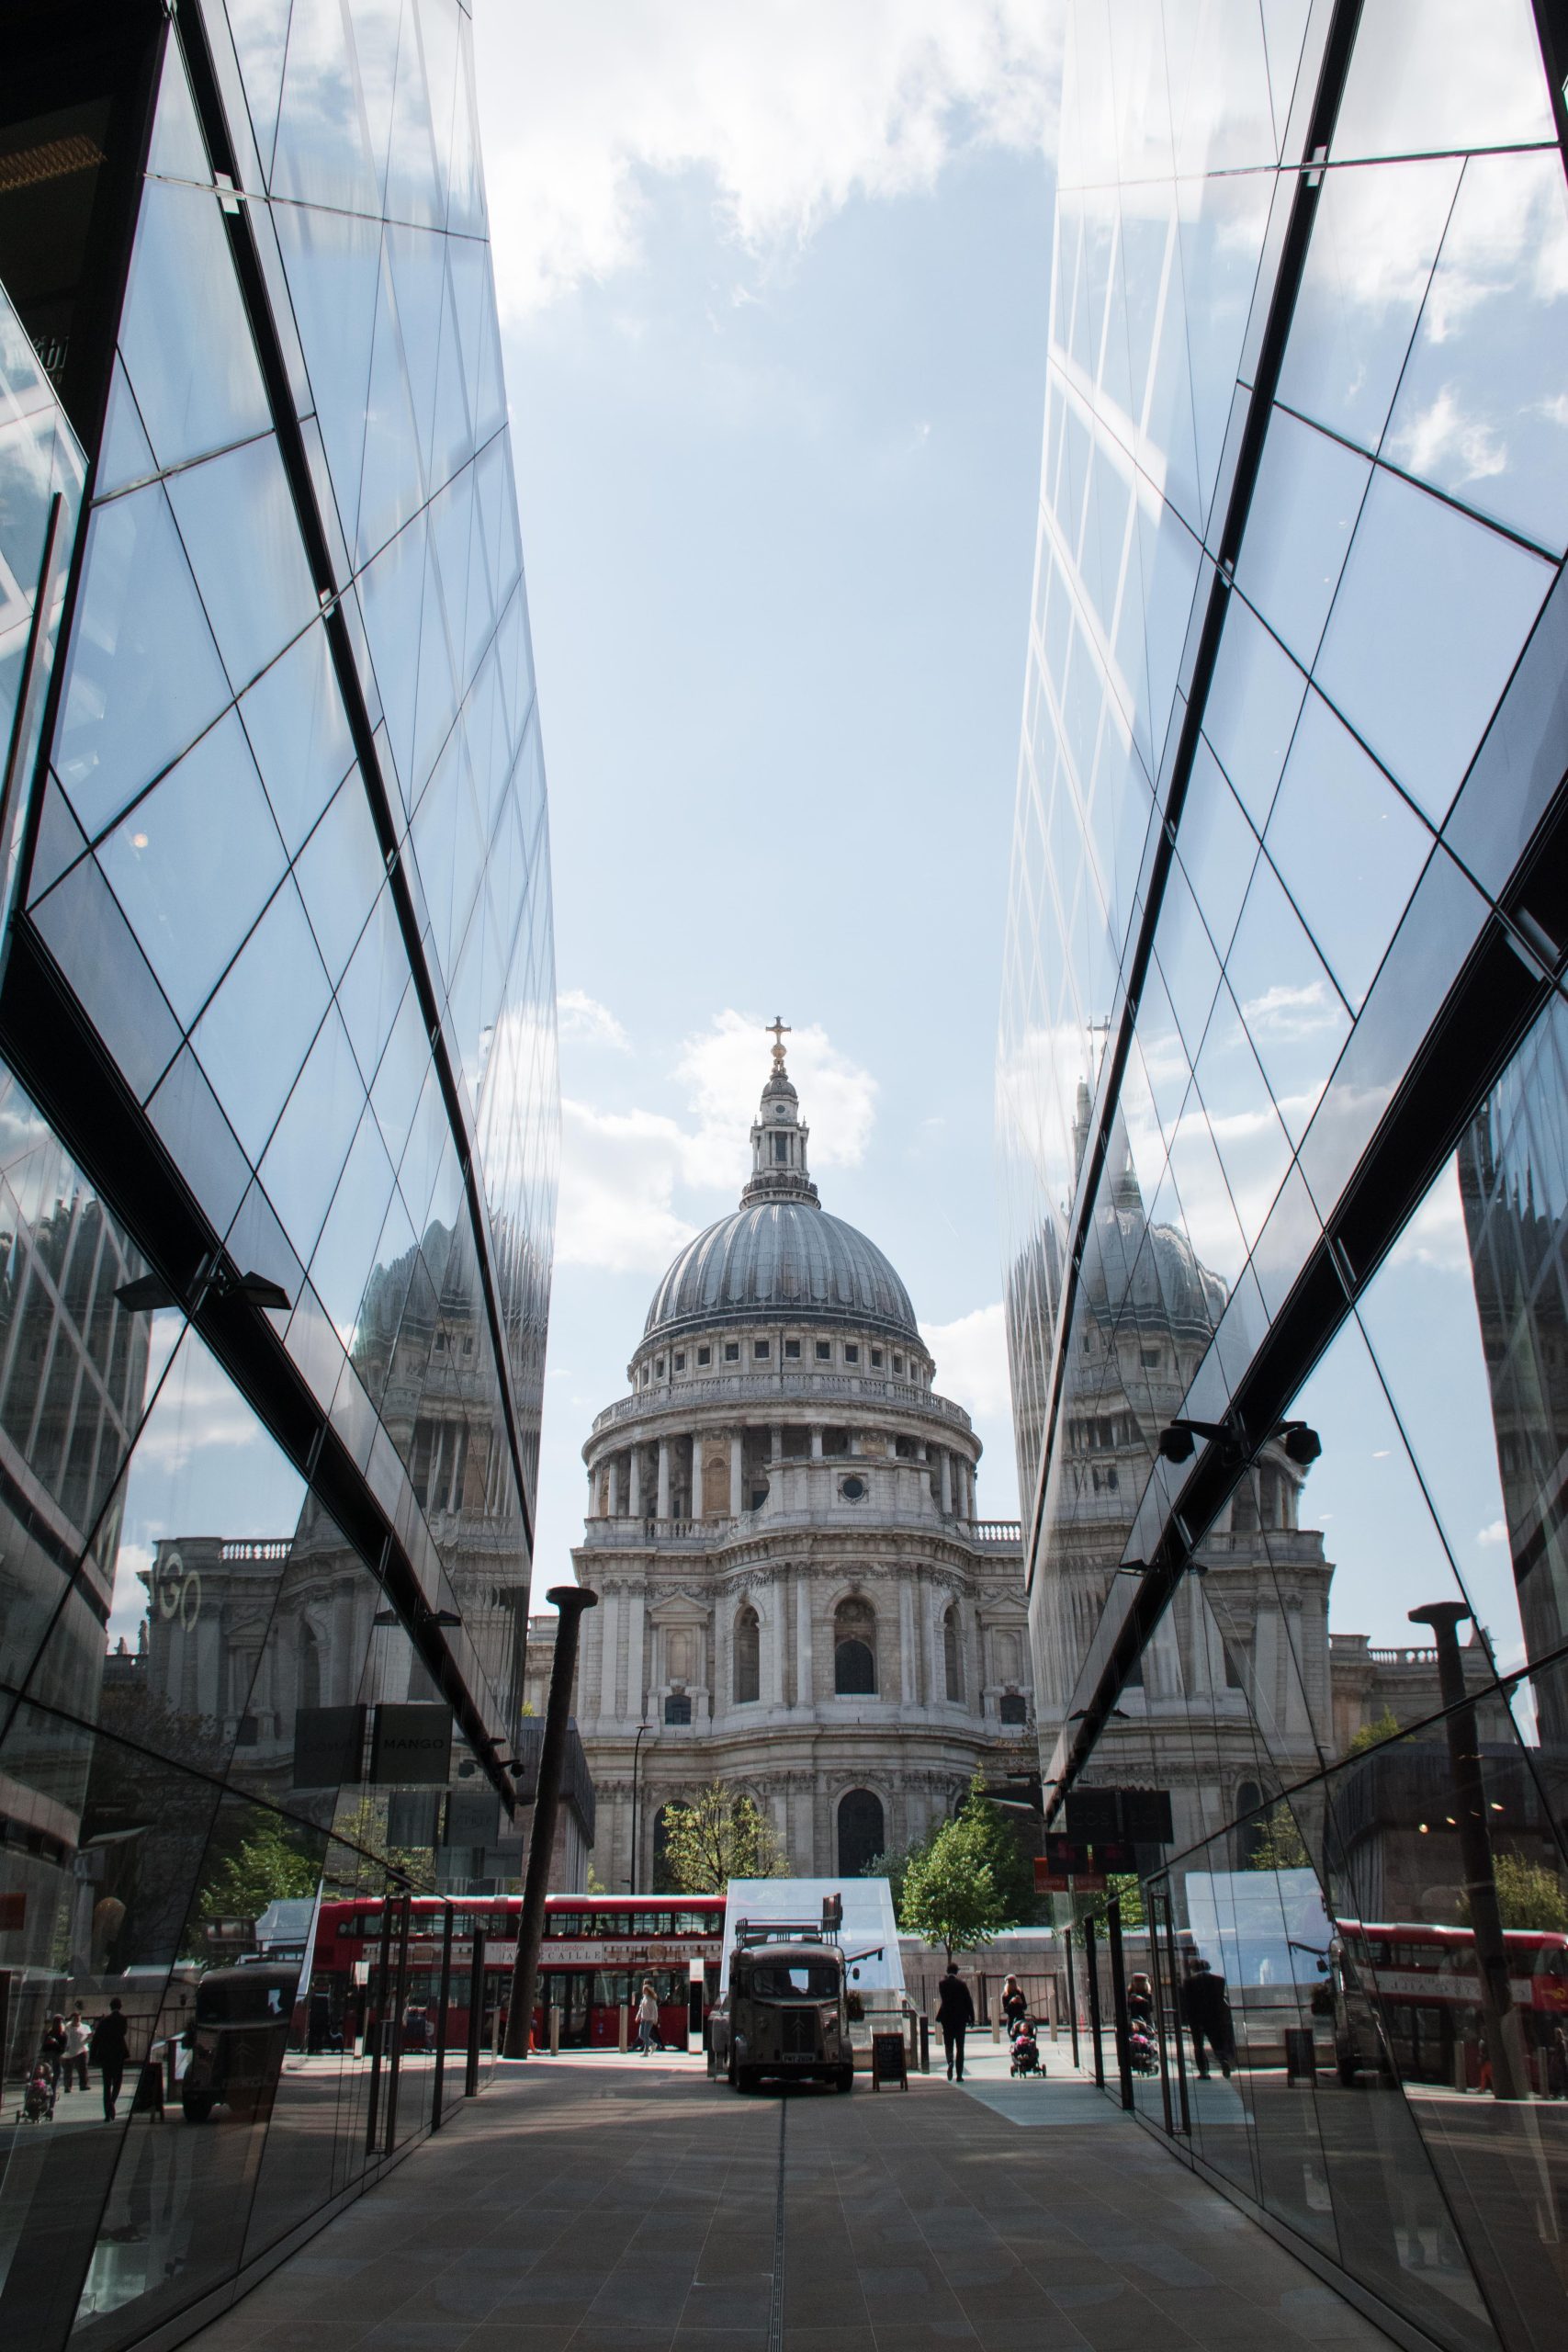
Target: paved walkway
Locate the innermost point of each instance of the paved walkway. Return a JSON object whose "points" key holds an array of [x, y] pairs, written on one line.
{"points": [[603, 2204]]}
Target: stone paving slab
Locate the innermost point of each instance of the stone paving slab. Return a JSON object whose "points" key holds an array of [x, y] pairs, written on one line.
{"points": [[633, 2206]]}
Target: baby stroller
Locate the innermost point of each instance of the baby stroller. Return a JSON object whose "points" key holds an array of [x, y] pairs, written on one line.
{"points": [[1141, 2049], [1025, 2050], [38, 2100]]}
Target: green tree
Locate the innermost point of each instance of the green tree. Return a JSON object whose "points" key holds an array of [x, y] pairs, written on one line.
{"points": [[271, 1864], [1280, 1846], [894, 1866], [1529, 1896], [1128, 1887], [364, 1825], [963, 1886], [1373, 1734], [717, 1838]]}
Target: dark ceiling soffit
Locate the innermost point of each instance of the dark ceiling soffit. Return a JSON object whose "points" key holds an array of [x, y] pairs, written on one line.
{"points": [[1338, 44], [56, 1052], [192, 34]]}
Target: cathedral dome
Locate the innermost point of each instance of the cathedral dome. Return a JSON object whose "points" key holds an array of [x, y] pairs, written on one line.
{"points": [[780, 1253], [1148, 1272], [785, 1257]]}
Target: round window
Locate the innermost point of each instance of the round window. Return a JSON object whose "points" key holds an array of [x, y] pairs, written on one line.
{"points": [[852, 1489]]}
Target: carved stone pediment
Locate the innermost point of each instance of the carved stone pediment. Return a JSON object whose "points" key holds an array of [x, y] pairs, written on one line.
{"points": [[681, 1608]]}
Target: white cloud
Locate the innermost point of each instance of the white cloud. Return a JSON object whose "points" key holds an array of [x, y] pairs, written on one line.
{"points": [[585, 1022], [972, 1361], [617, 1182], [1290, 1013], [1436, 1236], [1495, 1533], [1440, 443], [789, 107], [621, 1170]]}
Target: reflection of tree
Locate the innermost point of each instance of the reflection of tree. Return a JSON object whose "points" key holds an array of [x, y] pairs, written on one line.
{"points": [[151, 1813], [717, 1838], [273, 1860], [360, 1830], [1278, 1845], [1529, 1897]]}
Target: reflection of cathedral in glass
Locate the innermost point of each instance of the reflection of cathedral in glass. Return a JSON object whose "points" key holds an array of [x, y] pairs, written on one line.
{"points": [[277, 1088]]}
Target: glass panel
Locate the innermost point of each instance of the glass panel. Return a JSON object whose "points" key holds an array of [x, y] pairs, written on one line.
{"points": [[192, 887], [1427, 624], [1299, 525], [253, 1037], [1428, 74], [295, 718], [237, 518], [1479, 413], [184, 335], [128, 710]]}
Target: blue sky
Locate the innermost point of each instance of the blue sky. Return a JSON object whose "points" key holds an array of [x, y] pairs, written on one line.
{"points": [[778, 494], [774, 286]]}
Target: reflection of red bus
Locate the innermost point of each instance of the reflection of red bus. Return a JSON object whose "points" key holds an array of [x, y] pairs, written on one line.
{"points": [[1421, 1981], [597, 1949]]}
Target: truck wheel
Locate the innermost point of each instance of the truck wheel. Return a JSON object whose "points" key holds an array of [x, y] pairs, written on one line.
{"points": [[747, 2077], [844, 2080], [198, 2104]]}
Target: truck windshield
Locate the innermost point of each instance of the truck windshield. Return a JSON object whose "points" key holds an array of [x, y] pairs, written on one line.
{"points": [[807, 1980]]}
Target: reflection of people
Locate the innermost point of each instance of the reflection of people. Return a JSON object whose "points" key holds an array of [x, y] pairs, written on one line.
{"points": [[77, 2036], [646, 2020], [106, 2051], [51, 2050], [1140, 2001], [1206, 2014], [955, 2015]]}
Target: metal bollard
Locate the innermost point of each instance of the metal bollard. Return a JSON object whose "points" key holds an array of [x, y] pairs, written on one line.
{"points": [[555, 2031], [621, 2023], [925, 2043]]}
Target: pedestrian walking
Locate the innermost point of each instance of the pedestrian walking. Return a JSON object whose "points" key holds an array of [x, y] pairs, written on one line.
{"points": [[107, 2050], [1206, 2014], [78, 2034], [955, 2015], [646, 2020], [1015, 2005]]}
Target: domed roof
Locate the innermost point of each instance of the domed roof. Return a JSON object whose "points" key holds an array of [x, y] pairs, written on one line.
{"points": [[1151, 1271], [780, 1253], [782, 1257]]}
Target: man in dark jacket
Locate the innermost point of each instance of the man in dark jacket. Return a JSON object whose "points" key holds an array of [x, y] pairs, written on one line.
{"points": [[106, 2052], [955, 2015], [1206, 2014]]}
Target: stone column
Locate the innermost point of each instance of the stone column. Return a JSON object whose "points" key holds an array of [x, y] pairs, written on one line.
{"points": [[610, 1659], [663, 1504], [908, 1682], [634, 1501], [776, 1443], [636, 1689], [816, 1445], [805, 1685], [936, 1660], [696, 1476], [945, 1462], [736, 1472], [775, 1632]]}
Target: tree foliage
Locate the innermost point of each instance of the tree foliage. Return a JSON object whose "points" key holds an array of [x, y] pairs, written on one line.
{"points": [[1529, 1896], [965, 1885], [717, 1838], [271, 1864], [1280, 1846], [1373, 1734]]}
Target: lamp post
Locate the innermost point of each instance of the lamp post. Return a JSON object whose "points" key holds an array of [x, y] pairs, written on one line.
{"points": [[570, 1600], [1498, 2023], [637, 1759]]}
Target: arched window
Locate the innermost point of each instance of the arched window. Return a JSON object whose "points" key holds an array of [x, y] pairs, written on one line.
{"points": [[854, 1650], [748, 1656], [952, 1657], [308, 1685], [862, 1831], [662, 1881], [1249, 1831]]}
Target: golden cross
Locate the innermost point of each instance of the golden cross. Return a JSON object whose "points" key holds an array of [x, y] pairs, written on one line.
{"points": [[778, 1033]]}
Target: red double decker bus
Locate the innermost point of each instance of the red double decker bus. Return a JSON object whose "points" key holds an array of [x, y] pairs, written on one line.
{"points": [[1424, 1982], [596, 1952]]}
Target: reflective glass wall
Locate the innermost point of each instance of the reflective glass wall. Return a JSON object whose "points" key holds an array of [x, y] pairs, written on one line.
{"points": [[277, 1122], [1281, 1086]]}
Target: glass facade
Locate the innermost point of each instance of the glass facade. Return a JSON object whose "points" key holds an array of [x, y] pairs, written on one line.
{"points": [[277, 1115], [1283, 1099]]}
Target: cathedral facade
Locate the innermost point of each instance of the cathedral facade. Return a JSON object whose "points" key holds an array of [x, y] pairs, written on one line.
{"points": [[797, 1595]]}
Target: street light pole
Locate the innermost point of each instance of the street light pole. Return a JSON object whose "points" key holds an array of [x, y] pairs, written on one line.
{"points": [[1499, 2025], [570, 1600], [637, 1759]]}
